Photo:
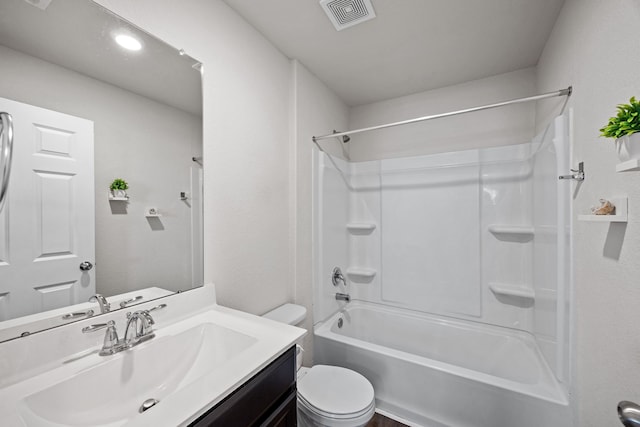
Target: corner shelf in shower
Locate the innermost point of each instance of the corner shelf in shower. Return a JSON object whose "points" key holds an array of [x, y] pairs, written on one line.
{"points": [[358, 274], [520, 233], [517, 291], [628, 166], [361, 227], [621, 215]]}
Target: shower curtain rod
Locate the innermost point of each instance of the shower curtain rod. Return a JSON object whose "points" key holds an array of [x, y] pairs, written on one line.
{"points": [[561, 92]]}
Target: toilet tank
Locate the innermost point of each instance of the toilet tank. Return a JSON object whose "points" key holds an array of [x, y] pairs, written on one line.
{"points": [[292, 314]]}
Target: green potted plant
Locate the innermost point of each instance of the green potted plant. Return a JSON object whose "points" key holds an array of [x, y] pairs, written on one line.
{"points": [[119, 188], [625, 129]]}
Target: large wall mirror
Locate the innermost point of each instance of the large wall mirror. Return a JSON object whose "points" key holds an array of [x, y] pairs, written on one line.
{"points": [[87, 110]]}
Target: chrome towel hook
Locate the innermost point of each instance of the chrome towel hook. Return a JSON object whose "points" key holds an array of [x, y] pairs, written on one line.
{"points": [[578, 174]]}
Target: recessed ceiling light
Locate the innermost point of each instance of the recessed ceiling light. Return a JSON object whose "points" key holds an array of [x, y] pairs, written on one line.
{"points": [[128, 42]]}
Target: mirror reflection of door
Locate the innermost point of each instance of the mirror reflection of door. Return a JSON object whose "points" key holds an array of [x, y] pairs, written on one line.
{"points": [[47, 224], [146, 110]]}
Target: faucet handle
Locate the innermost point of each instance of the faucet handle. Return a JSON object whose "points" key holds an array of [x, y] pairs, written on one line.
{"points": [[93, 328], [125, 303], [111, 336], [148, 317], [337, 277], [111, 344]]}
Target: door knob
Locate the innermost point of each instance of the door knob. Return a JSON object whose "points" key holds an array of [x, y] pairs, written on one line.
{"points": [[86, 266], [629, 413]]}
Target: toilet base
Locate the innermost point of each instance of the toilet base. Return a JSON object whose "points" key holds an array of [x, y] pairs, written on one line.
{"points": [[307, 419]]}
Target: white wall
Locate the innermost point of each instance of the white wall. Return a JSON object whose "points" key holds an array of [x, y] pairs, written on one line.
{"points": [[248, 221], [317, 110], [594, 47], [131, 253], [503, 126]]}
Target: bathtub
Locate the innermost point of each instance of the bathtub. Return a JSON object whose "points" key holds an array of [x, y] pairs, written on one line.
{"points": [[435, 371]]}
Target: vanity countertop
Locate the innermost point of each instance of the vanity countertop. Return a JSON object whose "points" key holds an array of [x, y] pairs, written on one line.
{"points": [[183, 396]]}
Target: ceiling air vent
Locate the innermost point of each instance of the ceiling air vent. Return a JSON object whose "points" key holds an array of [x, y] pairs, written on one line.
{"points": [[347, 13]]}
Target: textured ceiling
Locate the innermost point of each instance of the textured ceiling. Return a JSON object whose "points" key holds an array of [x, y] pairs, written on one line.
{"points": [[412, 45]]}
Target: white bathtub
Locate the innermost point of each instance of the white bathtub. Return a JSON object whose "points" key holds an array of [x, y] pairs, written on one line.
{"points": [[437, 371]]}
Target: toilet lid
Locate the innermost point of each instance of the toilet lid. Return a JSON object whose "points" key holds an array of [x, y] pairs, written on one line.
{"points": [[335, 390]]}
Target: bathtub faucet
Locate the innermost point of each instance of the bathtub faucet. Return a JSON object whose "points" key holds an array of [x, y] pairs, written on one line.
{"points": [[337, 277], [343, 297]]}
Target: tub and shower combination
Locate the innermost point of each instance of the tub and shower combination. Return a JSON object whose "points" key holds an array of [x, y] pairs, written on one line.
{"points": [[457, 268], [439, 372]]}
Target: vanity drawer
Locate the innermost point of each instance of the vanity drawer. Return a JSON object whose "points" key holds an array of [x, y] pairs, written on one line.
{"points": [[267, 399]]}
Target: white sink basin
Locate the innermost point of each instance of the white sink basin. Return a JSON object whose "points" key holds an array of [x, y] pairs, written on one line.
{"points": [[202, 352], [111, 393]]}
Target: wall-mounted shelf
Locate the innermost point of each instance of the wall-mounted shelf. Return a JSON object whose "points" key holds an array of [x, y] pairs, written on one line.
{"points": [[361, 227], [519, 233], [358, 274], [620, 216], [628, 166], [517, 291], [152, 213]]}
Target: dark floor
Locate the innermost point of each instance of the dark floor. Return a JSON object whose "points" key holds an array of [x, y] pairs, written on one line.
{"points": [[382, 421]]}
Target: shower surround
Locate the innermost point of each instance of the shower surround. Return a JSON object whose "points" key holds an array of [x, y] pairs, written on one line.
{"points": [[457, 264]]}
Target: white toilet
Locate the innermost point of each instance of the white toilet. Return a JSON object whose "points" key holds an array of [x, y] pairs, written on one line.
{"points": [[328, 396]]}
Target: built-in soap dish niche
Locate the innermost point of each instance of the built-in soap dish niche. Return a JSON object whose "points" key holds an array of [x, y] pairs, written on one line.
{"points": [[361, 228], [512, 233], [361, 275]]}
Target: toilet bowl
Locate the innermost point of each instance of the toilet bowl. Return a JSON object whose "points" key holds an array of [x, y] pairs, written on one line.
{"points": [[334, 396], [328, 396]]}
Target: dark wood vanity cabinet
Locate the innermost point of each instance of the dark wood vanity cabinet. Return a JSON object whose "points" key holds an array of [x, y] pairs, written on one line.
{"points": [[266, 400]]}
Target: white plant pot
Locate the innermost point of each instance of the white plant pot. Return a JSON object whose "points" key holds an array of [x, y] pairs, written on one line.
{"points": [[628, 147], [120, 194]]}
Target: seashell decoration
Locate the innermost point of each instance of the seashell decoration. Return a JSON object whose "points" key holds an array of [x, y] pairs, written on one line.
{"points": [[605, 208]]}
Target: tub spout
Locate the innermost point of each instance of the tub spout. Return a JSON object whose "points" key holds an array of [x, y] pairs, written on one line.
{"points": [[343, 297]]}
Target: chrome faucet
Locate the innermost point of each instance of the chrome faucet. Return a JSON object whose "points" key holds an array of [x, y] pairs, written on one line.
{"points": [[105, 307], [343, 297], [139, 329], [337, 277]]}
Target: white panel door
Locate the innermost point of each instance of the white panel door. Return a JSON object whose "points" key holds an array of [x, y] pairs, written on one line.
{"points": [[47, 224]]}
